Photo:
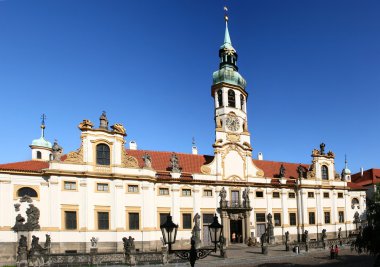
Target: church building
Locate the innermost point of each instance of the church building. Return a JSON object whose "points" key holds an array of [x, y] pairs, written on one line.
{"points": [[107, 190]]}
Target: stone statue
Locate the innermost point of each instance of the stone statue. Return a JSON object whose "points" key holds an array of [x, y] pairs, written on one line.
{"points": [[270, 227], [17, 206], [47, 241], [57, 151], [223, 194], [324, 236], [282, 171], [22, 249], [129, 244], [26, 198], [35, 247], [19, 225], [196, 231], [340, 233], [287, 241], [103, 121], [174, 163], [246, 197], [147, 160], [322, 147], [94, 242], [331, 154], [300, 171], [33, 215]]}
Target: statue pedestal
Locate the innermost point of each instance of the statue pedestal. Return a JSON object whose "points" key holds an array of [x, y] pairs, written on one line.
{"points": [[93, 250], [264, 250]]}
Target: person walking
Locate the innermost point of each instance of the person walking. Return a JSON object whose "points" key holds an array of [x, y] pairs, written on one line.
{"points": [[332, 252], [336, 251], [233, 237]]}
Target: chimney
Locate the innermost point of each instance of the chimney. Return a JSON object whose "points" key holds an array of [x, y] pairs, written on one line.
{"points": [[132, 145], [361, 171], [260, 156]]}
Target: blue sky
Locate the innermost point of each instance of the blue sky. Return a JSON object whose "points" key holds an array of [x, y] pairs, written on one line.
{"points": [[312, 68]]}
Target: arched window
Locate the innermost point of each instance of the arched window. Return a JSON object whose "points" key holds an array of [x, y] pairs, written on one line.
{"points": [[220, 98], [39, 155], [325, 172], [241, 102], [23, 191], [102, 154], [231, 98]]}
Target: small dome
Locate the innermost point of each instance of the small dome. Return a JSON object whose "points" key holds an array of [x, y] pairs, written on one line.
{"points": [[346, 171], [229, 75], [41, 142]]}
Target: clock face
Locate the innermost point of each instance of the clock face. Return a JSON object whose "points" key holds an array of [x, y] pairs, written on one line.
{"points": [[232, 123]]}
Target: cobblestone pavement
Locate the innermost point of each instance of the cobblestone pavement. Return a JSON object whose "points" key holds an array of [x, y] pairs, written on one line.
{"points": [[241, 256]]}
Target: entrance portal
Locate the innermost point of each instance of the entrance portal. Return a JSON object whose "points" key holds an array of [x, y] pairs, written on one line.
{"points": [[236, 231]]}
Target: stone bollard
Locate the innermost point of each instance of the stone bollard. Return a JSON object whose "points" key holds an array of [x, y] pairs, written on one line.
{"points": [[164, 251], [264, 250]]}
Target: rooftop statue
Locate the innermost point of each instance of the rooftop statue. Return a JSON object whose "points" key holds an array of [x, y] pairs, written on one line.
{"points": [[103, 121], [174, 163]]}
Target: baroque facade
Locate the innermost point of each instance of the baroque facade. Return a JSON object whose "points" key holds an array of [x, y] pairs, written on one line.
{"points": [[107, 191]]}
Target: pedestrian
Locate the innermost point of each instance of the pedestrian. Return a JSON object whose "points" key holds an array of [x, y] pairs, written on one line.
{"points": [[336, 251], [332, 252], [233, 237]]}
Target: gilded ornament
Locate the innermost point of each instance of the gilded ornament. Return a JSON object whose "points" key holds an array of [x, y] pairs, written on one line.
{"points": [[331, 154], [75, 156], [233, 138], [118, 128], [260, 173], [205, 169], [128, 161], [85, 125]]}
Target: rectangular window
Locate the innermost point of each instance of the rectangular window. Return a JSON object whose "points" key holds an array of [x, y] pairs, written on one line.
{"points": [[134, 220], [208, 218], [163, 191], [277, 219], [103, 220], [186, 220], [312, 217], [102, 187], [292, 195], [259, 194], [163, 217], [276, 194], [341, 216], [70, 185], [260, 217], [186, 192], [133, 188], [340, 195], [292, 219], [327, 217], [310, 194], [70, 220], [207, 193], [326, 195]]}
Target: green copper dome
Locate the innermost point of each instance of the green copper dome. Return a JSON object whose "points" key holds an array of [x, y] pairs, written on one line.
{"points": [[228, 75], [42, 142]]}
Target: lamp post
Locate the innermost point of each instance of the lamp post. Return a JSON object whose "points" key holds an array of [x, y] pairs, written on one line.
{"points": [[169, 234]]}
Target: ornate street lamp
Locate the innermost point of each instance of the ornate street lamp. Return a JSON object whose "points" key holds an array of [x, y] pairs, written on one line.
{"points": [[169, 232], [216, 230]]}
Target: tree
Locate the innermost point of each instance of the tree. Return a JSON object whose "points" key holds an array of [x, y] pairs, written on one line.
{"points": [[369, 239]]}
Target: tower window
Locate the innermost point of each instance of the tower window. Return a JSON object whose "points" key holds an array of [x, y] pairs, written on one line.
{"points": [[26, 191], [220, 98], [241, 102], [102, 154], [39, 155], [325, 172], [231, 99]]}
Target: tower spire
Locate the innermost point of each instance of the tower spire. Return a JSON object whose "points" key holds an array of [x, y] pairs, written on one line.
{"points": [[43, 118], [227, 38]]}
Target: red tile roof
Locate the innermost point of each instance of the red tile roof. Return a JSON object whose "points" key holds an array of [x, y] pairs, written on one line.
{"points": [[371, 176], [355, 186], [27, 166], [272, 168]]}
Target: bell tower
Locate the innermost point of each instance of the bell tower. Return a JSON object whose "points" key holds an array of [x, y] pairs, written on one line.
{"points": [[232, 147], [228, 91]]}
